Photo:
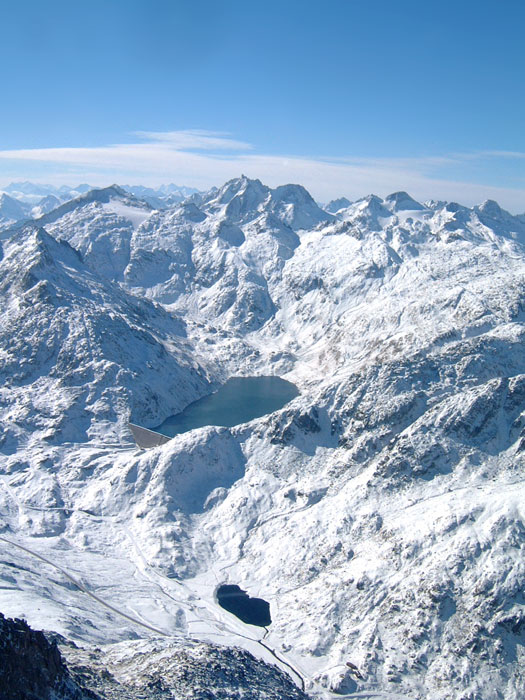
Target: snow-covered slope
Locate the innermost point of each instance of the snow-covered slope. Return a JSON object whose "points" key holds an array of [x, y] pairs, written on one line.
{"points": [[11, 210], [99, 224], [336, 204], [45, 205], [380, 512], [33, 668], [78, 353]]}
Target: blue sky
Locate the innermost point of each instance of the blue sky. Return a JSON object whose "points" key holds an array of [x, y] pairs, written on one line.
{"points": [[344, 96]]}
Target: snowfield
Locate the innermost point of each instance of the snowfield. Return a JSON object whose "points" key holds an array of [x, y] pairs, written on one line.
{"points": [[380, 513]]}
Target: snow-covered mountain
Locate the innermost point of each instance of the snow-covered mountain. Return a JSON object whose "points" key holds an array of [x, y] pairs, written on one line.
{"points": [[99, 224], [336, 204], [20, 201], [219, 255], [45, 205], [379, 513], [74, 344], [11, 210]]}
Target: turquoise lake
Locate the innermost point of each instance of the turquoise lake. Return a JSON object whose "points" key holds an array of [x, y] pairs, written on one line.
{"points": [[239, 400]]}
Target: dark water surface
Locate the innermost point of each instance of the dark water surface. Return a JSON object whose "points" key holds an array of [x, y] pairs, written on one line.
{"points": [[239, 400], [253, 611]]}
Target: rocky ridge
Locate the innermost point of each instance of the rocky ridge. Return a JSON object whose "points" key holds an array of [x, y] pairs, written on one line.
{"points": [[32, 668]]}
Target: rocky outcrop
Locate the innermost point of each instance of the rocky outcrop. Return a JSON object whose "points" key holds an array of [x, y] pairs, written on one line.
{"points": [[32, 668], [163, 669]]}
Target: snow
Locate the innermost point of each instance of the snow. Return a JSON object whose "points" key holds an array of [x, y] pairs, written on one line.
{"points": [[11, 210], [136, 215], [380, 512]]}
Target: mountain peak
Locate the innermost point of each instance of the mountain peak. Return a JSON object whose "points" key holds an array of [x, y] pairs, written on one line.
{"points": [[296, 194], [11, 209], [29, 188], [491, 208], [239, 197], [190, 211], [402, 201], [240, 185], [296, 208], [337, 204], [371, 205], [35, 255], [405, 335], [41, 240], [105, 194]]}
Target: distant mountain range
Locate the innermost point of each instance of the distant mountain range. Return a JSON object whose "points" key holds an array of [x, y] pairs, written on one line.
{"points": [[28, 200]]}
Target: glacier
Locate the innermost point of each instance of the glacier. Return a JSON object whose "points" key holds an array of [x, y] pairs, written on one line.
{"points": [[380, 512]]}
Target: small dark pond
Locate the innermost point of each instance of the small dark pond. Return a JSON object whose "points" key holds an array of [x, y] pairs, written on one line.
{"points": [[253, 611], [239, 400]]}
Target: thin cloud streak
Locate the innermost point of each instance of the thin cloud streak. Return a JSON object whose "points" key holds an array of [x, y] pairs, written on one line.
{"points": [[203, 159], [518, 155], [195, 139]]}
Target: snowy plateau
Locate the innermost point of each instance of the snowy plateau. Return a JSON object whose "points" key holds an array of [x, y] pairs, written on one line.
{"points": [[380, 512]]}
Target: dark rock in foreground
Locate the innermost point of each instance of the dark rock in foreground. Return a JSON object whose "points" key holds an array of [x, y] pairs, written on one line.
{"points": [[32, 668]]}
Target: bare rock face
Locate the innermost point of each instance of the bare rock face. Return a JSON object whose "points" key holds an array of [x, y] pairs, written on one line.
{"points": [[32, 668]]}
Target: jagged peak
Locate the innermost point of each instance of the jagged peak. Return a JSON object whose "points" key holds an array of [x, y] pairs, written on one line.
{"points": [[240, 198], [31, 188], [336, 205], [454, 207], [241, 182], [434, 204], [371, 199], [11, 207], [32, 256], [240, 185], [82, 188], [4, 197], [371, 205], [296, 208], [49, 198], [37, 238], [41, 236]]}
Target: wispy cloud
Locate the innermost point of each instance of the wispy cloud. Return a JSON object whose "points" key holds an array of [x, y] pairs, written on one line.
{"points": [[195, 139], [513, 155], [202, 159]]}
